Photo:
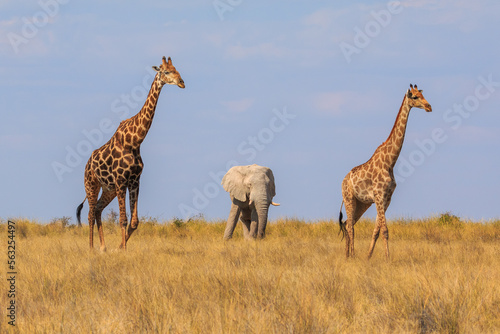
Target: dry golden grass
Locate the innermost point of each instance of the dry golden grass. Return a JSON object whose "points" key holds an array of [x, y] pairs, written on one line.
{"points": [[443, 277]]}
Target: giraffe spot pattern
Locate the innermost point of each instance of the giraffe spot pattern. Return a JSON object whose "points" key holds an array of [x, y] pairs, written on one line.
{"points": [[115, 154], [375, 178], [128, 138], [117, 165]]}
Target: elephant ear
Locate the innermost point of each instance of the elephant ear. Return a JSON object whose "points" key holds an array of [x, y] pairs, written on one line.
{"points": [[233, 183], [272, 189]]}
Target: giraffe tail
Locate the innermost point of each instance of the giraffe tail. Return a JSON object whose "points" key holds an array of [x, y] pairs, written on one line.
{"points": [[341, 223], [79, 211]]}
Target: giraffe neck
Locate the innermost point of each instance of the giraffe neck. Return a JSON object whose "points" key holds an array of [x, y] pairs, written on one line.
{"points": [[144, 118], [394, 142]]}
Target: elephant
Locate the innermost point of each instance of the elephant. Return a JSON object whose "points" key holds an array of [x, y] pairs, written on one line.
{"points": [[251, 189]]}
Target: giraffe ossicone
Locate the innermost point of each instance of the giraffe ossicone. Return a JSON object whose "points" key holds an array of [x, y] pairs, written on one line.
{"points": [[373, 181], [116, 166]]}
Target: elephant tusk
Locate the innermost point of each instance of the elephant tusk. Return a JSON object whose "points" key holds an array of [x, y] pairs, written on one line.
{"points": [[275, 204]]}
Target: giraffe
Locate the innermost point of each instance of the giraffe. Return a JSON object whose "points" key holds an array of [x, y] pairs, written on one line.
{"points": [[373, 181], [117, 165]]}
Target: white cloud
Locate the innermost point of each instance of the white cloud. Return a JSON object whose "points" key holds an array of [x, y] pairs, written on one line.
{"points": [[477, 134], [331, 102], [238, 106], [340, 102], [267, 50], [20, 36], [16, 141], [324, 18], [7, 27], [8, 23], [466, 15], [324, 27], [420, 3]]}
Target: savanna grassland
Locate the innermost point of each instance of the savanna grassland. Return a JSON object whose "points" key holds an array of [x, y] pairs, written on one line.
{"points": [[176, 277]]}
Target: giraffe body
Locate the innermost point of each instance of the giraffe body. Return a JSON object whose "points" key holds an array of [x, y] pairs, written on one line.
{"points": [[373, 181], [116, 166]]}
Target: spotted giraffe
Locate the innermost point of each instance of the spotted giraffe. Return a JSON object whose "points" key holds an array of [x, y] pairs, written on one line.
{"points": [[373, 181], [117, 165]]}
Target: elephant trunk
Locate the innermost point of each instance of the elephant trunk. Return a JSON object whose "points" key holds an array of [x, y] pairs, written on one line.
{"points": [[262, 211]]}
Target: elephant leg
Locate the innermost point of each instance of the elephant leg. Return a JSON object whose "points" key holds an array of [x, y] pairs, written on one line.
{"points": [[231, 221], [254, 224], [246, 220]]}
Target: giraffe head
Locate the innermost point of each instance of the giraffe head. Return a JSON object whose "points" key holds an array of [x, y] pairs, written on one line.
{"points": [[416, 99], [167, 74]]}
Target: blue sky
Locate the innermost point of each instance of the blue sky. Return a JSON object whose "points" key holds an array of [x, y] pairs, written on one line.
{"points": [[307, 88]]}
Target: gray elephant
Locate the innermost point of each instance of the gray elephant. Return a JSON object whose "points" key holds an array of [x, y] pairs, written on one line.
{"points": [[251, 189]]}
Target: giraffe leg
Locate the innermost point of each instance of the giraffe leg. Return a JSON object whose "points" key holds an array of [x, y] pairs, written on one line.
{"points": [[92, 203], [375, 234], [381, 225], [120, 193], [385, 230], [385, 235], [134, 219], [349, 203], [92, 189], [359, 209], [106, 198], [350, 207]]}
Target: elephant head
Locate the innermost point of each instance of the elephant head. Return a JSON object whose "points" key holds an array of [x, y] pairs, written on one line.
{"points": [[251, 189]]}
